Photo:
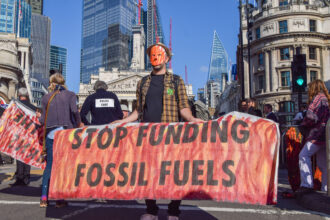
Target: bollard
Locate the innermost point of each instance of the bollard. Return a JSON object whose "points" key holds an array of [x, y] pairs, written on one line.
{"points": [[328, 153]]}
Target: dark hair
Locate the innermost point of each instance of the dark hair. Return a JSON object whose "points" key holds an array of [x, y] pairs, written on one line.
{"points": [[269, 106], [53, 71]]}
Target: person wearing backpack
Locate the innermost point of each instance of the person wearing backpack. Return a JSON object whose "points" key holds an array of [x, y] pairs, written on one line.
{"points": [[161, 97]]}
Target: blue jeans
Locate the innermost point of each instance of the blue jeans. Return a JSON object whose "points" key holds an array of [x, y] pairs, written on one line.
{"points": [[47, 171]]}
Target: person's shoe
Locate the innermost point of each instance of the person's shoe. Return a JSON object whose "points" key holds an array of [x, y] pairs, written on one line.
{"points": [[18, 183], [170, 217], [302, 191], [43, 203], [61, 203], [149, 217]]}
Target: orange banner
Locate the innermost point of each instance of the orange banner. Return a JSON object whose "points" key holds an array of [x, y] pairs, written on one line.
{"points": [[19, 135], [233, 158]]}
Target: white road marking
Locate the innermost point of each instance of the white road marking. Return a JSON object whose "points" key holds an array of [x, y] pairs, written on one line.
{"points": [[183, 207]]}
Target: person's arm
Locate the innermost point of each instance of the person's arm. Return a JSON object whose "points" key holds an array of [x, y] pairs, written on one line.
{"points": [[84, 111], [132, 117], [74, 110], [187, 115]]}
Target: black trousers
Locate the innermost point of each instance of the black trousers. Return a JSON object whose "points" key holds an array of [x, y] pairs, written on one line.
{"points": [[22, 172], [173, 207]]}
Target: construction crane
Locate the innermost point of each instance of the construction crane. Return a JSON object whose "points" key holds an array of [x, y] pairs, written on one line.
{"points": [[139, 5], [170, 45], [155, 18], [186, 75]]}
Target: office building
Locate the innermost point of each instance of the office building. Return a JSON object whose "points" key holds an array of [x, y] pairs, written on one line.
{"points": [[37, 6], [58, 59], [23, 19], [7, 16]]}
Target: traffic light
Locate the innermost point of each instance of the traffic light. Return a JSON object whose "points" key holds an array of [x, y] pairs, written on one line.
{"points": [[298, 67]]}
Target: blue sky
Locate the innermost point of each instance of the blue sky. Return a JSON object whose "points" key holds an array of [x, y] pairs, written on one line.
{"points": [[193, 26]]}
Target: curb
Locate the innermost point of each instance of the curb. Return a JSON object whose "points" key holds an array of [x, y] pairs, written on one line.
{"points": [[315, 201]]}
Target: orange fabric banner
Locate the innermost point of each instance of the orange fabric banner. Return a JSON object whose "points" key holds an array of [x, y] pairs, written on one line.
{"points": [[19, 135], [233, 158]]}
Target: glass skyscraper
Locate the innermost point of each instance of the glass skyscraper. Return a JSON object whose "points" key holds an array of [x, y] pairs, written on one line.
{"points": [[40, 39], [7, 16], [58, 58], [106, 35], [37, 6], [23, 20], [219, 61]]}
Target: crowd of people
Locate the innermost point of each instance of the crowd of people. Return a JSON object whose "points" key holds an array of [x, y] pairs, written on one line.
{"points": [[161, 97]]}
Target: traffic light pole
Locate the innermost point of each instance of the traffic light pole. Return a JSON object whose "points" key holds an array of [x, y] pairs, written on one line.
{"points": [[299, 99]]}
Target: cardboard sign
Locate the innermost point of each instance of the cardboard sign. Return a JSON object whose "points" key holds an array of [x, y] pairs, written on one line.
{"points": [[233, 158]]}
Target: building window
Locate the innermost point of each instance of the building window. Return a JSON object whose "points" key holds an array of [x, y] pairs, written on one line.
{"points": [[285, 53], [312, 25], [261, 59], [312, 53], [261, 80], [283, 26], [313, 75], [258, 33], [287, 107], [285, 78], [283, 2]]}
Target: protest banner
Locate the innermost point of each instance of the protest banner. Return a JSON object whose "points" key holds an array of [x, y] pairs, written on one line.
{"points": [[20, 134], [233, 158]]}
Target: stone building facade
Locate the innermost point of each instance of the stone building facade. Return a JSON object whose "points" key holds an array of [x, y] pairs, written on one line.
{"points": [[279, 30], [15, 65]]}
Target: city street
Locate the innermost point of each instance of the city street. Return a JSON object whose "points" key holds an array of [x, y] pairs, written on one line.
{"points": [[22, 202]]}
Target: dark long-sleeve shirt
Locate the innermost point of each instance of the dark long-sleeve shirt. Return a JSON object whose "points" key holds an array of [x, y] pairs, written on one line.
{"points": [[104, 107]]}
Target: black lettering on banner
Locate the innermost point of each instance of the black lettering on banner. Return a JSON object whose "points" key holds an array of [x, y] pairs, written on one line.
{"points": [[108, 132], [77, 138], [232, 177], [210, 180], [197, 172], [28, 122], [18, 117], [121, 133], [164, 172], [195, 129], [142, 181], [32, 153], [133, 175], [123, 173], [109, 173], [25, 147], [12, 142], [175, 135], [142, 133], [185, 172], [204, 132], [152, 136], [245, 133], [222, 133], [34, 129], [90, 132], [97, 180], [79, 174], [19, 146]]}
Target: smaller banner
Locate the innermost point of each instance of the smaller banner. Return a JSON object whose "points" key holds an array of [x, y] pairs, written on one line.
{"points": [[20, 134]]}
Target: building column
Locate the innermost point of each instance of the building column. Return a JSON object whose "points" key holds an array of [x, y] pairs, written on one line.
{"points": [[12, 89], [267, 84], [130, 105], [246, 79], [273, 58]]}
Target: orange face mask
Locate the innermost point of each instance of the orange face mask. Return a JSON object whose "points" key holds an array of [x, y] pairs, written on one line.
{"points": [[157, 55]]}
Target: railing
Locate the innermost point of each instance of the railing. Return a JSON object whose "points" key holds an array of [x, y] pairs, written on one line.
{"points": [[328, 153]]}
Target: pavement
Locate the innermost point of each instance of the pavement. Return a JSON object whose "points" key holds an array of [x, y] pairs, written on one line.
{"points": [[22, 203]]}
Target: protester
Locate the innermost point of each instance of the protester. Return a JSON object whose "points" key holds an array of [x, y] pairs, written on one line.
{"points": [[57, 108], [103, 106], [269, 114], [23, 170], [300, 115], [160, 98], [243, 107], [252, 110], [315, 121]]}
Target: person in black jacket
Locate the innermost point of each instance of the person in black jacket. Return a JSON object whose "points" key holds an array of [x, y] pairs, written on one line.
{"points": [[269, 114], [23, 170], [103, 106]]}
